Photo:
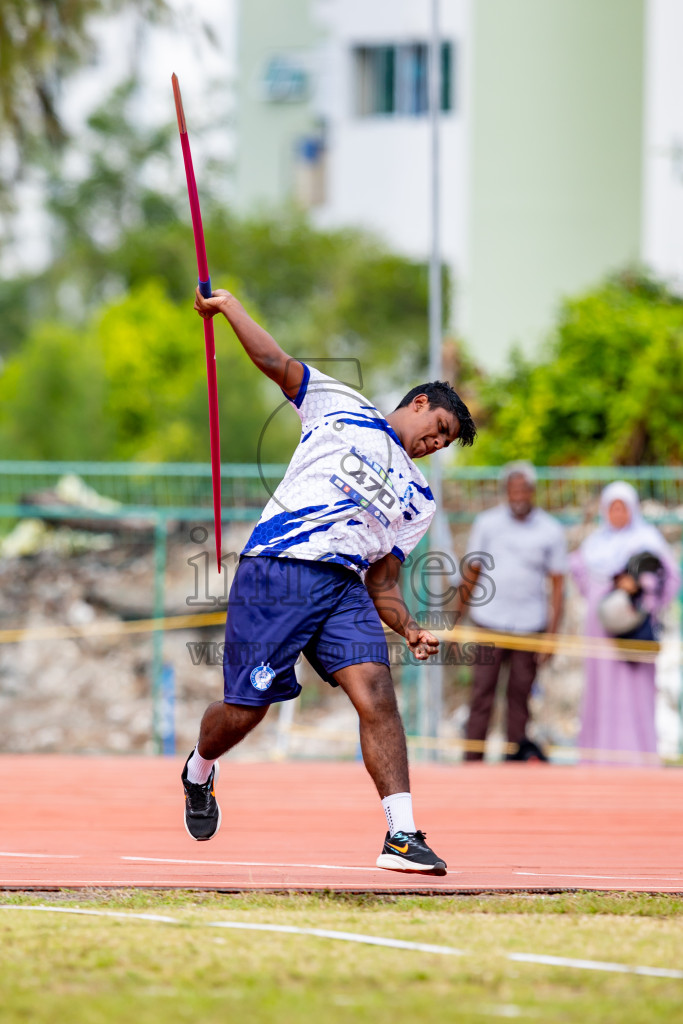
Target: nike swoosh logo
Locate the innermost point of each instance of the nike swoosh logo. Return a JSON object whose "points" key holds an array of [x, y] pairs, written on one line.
{"points": [[399, 849]]}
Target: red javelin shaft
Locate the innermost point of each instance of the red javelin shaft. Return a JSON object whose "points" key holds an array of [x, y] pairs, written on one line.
{"points": [[205, 289]]}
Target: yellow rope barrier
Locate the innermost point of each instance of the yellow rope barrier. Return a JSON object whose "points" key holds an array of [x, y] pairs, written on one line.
{"points": [[554, 643], [478, 746], [557, 643], [550, 643], [15, 636]]}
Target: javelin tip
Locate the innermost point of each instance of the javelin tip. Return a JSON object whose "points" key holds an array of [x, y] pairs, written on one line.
{"points": [[182, 127]]}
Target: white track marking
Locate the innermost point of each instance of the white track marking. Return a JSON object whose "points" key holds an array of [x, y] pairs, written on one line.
{"points": [[159, 918], [592, 965], [370, 940], [253, 864], [619, 878], [324, 933], [46, 856]]}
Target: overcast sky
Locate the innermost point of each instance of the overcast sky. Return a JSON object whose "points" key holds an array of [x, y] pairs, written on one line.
{"points": [[198, 44]]}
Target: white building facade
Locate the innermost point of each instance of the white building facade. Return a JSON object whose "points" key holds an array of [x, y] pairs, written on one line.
{"points": [[373, 98], [663, 150], [561, 142]]}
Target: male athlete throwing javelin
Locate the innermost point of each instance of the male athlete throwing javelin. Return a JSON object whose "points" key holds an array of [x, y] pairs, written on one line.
{"points": [[321, 570]]}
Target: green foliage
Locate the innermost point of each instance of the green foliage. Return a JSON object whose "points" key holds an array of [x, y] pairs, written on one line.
{"points": [[607, 390], [130, 385], [51, 398], [110, 321], [334, 294], [331, 294], [94, 213]]}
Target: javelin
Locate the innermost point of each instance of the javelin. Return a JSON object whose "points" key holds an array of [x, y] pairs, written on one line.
{"points": [[205, 289]]}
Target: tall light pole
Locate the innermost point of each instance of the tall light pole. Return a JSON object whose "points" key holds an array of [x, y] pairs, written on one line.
{"points": [[432, 700], [435, 296]]}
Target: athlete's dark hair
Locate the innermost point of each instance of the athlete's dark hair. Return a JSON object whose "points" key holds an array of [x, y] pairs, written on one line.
{"points": [[442, 396]]}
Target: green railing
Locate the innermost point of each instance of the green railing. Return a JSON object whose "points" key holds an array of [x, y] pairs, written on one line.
{"points": [[173, 490], [568, 492], [183, 490]]}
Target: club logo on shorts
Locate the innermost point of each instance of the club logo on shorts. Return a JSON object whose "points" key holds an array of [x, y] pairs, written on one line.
{"points": [[262, 676]]}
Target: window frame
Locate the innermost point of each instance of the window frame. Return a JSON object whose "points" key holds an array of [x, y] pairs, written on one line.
{"points": [[391, 80]]}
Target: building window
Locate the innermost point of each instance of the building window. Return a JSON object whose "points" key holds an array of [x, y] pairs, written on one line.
{"points": [[395, 79]]}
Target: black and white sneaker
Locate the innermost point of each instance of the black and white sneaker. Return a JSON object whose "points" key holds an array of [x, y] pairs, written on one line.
{"points": [[408, 851], [202, 813]]}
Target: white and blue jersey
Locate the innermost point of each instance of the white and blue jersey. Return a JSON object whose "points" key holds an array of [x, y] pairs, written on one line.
{"points": [[351, 493]]}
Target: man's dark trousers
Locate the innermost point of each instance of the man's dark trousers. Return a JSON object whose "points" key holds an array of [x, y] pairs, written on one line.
{"points": [[485, 681]]}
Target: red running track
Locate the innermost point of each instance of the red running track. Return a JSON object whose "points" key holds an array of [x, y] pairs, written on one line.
{"points": [[87, 821]]}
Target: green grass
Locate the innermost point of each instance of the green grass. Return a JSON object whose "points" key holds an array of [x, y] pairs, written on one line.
{"points": [[81, 970]]}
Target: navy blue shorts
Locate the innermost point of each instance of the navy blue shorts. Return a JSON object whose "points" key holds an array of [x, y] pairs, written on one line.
{"points": [[280, 608]]}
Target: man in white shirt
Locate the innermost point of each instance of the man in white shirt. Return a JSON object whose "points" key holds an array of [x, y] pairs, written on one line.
{"points": [[321, 570], [524, 552]]}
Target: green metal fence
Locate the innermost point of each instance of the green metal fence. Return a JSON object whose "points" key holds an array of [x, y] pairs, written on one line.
{"points": [[183, 490], [179, 491]]}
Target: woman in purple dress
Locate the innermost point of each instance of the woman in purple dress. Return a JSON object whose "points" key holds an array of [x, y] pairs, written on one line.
{"points": [[618, 713]]}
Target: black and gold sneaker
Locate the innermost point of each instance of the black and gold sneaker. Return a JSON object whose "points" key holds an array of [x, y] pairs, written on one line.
{"points": [[202, 813], [408, 851]]}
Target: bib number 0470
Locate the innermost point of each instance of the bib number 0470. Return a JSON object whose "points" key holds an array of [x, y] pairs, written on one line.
{"points": [[367, 480]]}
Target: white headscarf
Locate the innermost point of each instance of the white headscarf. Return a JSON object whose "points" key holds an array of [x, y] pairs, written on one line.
{"points": [[607, 551]]}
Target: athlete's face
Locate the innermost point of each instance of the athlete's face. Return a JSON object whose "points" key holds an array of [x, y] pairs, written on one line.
{"points": [[429, 429]]}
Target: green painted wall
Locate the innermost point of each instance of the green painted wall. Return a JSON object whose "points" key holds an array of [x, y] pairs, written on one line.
{"points": [[555, 160], [266, 132]]}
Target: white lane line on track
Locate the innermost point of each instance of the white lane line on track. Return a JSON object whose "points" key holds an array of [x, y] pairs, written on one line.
{"points": [[372, 940], [619, 878], [593, 965], [94, 913], [46, 856], [257, 864], [324, 933]]}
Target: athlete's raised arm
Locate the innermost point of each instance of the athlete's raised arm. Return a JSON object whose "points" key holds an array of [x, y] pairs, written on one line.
{"points": [[261, 348], [381, 579]]}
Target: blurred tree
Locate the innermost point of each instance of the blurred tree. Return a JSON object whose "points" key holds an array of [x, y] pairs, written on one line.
{"points": [[321, 293], [132, 385], [41, 43], [51, 398], [333, 293], [95, 209], [121, 226], [101, 206], [154, 365], [607, 390]]}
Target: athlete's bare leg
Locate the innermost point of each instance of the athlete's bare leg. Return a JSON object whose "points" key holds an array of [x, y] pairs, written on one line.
{"points": [[224, 725], [370, 689]]}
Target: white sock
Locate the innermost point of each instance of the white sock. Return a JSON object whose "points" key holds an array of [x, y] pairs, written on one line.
{"points": [[399, 811], [199, 769]]}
